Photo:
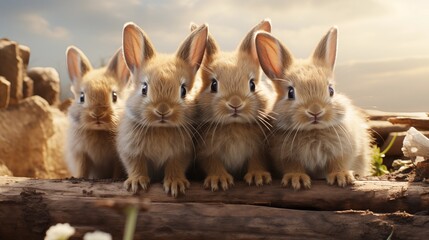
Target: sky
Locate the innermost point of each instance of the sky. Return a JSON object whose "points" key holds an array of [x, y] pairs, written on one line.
{"points": [[383, 48]]}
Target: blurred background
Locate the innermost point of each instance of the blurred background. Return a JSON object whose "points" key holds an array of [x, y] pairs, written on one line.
{"points": [[383, 55]]}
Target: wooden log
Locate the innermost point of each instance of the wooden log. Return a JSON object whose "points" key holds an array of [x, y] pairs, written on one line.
{"points": [[378, 196], [383, 128], [421, 123], [383, 116], [29, 206]]}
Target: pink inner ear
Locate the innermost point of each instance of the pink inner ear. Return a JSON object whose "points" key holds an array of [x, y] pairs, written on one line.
{"points": [[331, 49], [197, 49], [73, 64], [269, 56], [133, 47]]}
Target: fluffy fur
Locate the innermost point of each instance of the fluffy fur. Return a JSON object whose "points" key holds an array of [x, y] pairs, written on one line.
{"points": [[232, 120], [317, 132], [155, 135], [98, 103]]}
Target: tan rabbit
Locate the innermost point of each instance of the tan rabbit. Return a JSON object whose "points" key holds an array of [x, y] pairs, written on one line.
{"points": [[155, 135], [99, 98], [232, 111], [317, 132]]}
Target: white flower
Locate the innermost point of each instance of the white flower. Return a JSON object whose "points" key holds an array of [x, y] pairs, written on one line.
{"points": [[97, 235], [61, 231]]}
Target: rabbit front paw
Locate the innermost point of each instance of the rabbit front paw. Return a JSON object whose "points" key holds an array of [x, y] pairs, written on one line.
{"points": [[213, 181], [343, 178], [134, 182], [296, 180], [258, 177], [176, 185]]}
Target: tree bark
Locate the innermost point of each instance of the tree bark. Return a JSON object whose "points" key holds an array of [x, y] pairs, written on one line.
{"points": [[29, 206]]}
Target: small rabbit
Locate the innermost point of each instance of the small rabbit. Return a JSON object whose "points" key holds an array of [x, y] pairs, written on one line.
{"points": [[317, 132], [98, 103], [155, 135], [232, 110]]}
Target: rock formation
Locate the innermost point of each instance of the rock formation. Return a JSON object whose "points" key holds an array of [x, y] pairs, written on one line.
{"points": [[32, 128]]}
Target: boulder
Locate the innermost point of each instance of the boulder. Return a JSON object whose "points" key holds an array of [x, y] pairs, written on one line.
{"points": [[24, 53], [64, 106], [28, 87], [32, 136], [4, 170], [12, 68], [4, 92], [46, 83]]}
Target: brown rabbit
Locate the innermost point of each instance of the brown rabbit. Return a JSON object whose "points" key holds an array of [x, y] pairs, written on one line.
{"points": [[99, 97], [317, 132], [232, 111], [156, 131]]}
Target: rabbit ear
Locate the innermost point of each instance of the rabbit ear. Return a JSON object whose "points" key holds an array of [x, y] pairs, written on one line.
{"points": [[193, 48], [118, 68], [247, 44], [77, 63], [326, 51], [136, 46], [211, 46], [273, 57]]}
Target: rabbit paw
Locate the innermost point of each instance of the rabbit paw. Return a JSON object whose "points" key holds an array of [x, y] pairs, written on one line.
{"points": [[258, 177], [133, 183], [225, 180], [296, 180], [343, 178], [174, 185]]}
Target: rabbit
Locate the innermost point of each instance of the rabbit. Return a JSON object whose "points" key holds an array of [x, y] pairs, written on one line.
{"points": [[99, 98], [155, 134], [317, 132], [232, 107]]}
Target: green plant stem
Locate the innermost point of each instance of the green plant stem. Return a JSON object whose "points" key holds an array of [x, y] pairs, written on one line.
{"points": [[130, 224], [390, 145]]}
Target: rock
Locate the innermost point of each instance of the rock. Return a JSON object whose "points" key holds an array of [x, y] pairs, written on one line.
{"points": [[32, 136], [4, 171], [11, 67], [64, 106], [415, 143], [28, 87], [46, 83], [4, 92], [24, 53]]}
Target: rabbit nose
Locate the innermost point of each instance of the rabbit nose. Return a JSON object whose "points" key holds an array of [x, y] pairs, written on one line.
{"points": [[235, 103], [318, 114], [98, 114], [315, 111], [163, 110]]}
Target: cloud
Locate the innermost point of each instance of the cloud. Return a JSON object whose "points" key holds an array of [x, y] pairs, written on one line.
{"points": [[389, 84], [39, 25]]}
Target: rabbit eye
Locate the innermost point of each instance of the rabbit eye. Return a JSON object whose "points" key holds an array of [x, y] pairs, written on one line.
{"points": [[144, 89], [114, 96], [183, 91], [291, 93], [82, 97], [214, 85], [252, 85], [331, 91]]}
